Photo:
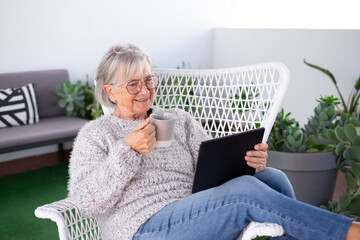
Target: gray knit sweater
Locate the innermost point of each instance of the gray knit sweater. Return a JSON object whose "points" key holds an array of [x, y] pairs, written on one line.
{"points": [[123, 188]]}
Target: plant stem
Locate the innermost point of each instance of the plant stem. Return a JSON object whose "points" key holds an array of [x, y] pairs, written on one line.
{"points": [[354, 102], [342, 99]]}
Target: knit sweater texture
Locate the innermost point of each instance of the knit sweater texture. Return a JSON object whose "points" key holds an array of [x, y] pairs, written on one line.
{"points": [[123, 188]]}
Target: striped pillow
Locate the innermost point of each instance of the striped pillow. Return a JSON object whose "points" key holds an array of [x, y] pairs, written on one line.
{"points": [[18, 106]]}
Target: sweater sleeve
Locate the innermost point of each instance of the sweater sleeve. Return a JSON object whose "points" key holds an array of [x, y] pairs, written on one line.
{"points": [[99, 171], [195, 134]]}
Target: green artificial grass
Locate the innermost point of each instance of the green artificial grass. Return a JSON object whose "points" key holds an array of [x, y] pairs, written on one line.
{"points": [[21, 194]]}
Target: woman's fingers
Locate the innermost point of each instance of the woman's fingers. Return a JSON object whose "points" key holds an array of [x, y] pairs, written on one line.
{"points": [[142, 124], [257, 158], [142, 137], [261, 147]]}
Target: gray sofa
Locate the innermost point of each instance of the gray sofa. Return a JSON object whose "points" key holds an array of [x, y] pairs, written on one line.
{"points": [[54, 127]]}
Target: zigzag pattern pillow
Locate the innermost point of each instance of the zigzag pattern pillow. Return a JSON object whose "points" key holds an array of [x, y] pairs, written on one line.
{"points": [[18, 106]]}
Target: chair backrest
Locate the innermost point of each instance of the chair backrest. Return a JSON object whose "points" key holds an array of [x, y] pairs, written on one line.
{"points": [[225, 100]]}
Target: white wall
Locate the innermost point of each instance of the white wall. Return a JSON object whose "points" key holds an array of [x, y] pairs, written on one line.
{"points": [[336, 50], [42, 34], [74, 34]]}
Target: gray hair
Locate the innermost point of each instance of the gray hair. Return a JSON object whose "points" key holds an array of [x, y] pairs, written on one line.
{"points": [[119, 62]]}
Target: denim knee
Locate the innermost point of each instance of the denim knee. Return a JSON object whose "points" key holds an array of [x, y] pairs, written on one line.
{"points": [[244, 187], [277, 180]]}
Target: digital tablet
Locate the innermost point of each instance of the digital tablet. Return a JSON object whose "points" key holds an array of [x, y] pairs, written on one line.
{"points": [[222, 159]]}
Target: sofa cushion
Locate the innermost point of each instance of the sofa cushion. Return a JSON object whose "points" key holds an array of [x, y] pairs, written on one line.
{"points": [[47, 129], [18, 106], [45, 83]]}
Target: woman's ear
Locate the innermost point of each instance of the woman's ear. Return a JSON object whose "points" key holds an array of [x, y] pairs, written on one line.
{"points": [[110, 92]]}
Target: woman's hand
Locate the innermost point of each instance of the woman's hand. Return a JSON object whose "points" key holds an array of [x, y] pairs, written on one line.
{"points": [[257, 158], [142, 137]]}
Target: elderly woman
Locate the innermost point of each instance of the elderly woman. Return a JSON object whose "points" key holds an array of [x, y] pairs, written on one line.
{"points": [[139, 191]]}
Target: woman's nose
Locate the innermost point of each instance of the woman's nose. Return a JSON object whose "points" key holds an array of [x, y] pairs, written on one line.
{"points": [[144, 88]]}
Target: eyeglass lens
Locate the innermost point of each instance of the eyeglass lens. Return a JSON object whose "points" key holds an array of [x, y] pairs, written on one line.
{"points": [[135, 86]]}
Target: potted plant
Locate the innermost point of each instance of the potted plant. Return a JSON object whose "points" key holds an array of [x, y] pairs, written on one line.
{"points": [[78, 100], [311, 165]]}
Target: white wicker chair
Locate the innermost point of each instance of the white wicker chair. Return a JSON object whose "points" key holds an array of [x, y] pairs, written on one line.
{"points": [[225, 101]]}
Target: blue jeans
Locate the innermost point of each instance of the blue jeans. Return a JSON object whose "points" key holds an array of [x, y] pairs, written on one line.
{"points": [[223, 212]]}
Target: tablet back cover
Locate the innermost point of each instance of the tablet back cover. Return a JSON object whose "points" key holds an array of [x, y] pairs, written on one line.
{"points": [[222, 159]]}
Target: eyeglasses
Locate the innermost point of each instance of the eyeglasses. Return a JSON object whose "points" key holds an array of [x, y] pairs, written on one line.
{"points": [[134, 86]]}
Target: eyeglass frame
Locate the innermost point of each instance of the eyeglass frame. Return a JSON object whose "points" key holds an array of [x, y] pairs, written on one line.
{"points": [[141, 82]]}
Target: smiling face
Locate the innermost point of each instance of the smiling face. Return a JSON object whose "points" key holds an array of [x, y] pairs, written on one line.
{"points": [[129, 106]]}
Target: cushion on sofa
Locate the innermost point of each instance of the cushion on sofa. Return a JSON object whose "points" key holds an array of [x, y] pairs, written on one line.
{"points": [[18, 106], [45, 83]]}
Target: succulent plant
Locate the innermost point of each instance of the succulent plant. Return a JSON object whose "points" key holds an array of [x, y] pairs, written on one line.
{"points": [[346, 143], [78, 100], [282, 123], [93, 107], [346, 118], [71, 97], [295, 140], [324, 116]]}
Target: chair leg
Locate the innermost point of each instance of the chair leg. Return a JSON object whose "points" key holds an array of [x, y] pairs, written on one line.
{"points": [[61, 153]]}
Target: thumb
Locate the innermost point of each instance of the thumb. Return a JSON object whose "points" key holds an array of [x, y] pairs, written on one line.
{"points": [[142, 124]]}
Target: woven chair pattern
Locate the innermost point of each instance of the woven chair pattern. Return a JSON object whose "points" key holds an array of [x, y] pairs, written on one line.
{"points": [[70, 222], [224, 101]]}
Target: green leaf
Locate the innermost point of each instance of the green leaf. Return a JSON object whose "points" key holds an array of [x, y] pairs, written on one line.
{"points": [[296, 134], [327, 72], [354, 153], [58, 90], [82, 112], [331, 136], [354, 206], [356, 141], [323, 116], [290, 139], [331, 111], [66, 83], [348, 162], [70, 107], [302, 149], [357, 84], [346, 199], [340, 134], [80, 97], [80, 104], [356, 172], [340, 148], [62, 102], [350, 131], [339, 162], [346, 153], [312, 150], [349, 182], [315, 140], [324, 139]]}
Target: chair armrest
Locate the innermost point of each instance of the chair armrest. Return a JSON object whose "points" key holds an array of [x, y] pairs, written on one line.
{"points": [[56, 211], [69, 220]]}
